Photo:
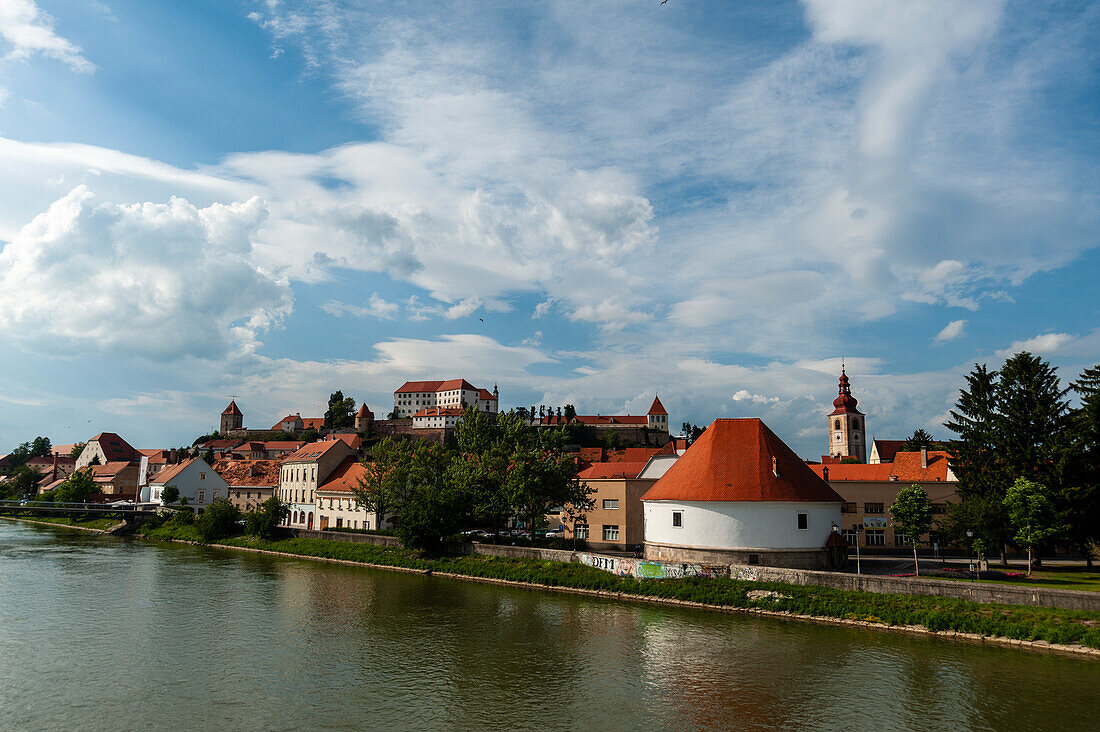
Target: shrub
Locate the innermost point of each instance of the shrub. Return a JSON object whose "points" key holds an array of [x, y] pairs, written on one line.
{"points": [[220, 519]]}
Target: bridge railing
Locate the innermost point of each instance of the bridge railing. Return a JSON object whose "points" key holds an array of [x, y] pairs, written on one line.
{"points": [[96, 507]]}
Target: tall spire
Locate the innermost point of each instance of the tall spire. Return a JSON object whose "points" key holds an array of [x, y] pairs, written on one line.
{"points": [[845, 402]]}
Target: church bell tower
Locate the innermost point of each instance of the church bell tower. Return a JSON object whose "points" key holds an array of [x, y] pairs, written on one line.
{"points": [[847, 425]]}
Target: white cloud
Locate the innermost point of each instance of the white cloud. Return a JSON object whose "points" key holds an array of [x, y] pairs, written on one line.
{"points": [[29, 30], [952, 331], [375, 307], [162, 281], [743, 395], [1044, 344]]}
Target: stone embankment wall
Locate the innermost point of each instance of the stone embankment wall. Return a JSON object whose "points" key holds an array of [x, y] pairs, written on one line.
{"points": [[973, 591]]}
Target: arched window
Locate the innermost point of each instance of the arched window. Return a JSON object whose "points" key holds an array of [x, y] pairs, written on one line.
{"points": [[855, 424], [836, 424]]}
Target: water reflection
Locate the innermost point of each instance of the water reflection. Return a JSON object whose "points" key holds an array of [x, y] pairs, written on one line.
{"points": [[134, 635]]}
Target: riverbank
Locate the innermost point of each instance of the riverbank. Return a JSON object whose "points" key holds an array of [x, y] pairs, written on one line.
{"points": [[96, 525], [1047, 629]]}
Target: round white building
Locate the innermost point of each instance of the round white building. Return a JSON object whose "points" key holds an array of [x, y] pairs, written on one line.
{"points": [[740, 495]]}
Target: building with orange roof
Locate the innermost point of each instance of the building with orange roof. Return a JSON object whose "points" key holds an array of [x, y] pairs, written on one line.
{"points": [[232, 418], [847, 425], [739, 494], [414, 396], [195, 479], [870, 489], [303, 472], [251, 482], [364, 419], [337, 505], [108, 447], [650, 428]]}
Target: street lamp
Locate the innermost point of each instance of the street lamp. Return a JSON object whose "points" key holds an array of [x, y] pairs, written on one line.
{"points": [[970, 547]]}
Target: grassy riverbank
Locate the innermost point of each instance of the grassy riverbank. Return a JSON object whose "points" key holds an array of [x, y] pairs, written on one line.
{"points": [[934, 613], [101, 524]]}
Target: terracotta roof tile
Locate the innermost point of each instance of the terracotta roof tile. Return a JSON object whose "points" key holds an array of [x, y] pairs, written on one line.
{"points": [[345, 479], [733, 461], [253, 473], [164, 476], [905, 468], [657, 407], [620, 469], [114, 447]]}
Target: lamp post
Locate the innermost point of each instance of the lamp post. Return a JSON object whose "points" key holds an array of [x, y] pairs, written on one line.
{"points": [[970, 547]]}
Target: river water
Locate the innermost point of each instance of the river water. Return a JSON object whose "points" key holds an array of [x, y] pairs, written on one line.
{"points": [[105, 633]]}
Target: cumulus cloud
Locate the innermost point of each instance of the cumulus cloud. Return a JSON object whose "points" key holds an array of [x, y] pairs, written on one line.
{"points": [[156, 280], [375, 307], [744, 395], [1045, 344], [29, 30], [952, 331]]}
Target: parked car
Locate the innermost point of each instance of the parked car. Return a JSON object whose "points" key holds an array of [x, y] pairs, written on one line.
{"points": [[555, 534]]}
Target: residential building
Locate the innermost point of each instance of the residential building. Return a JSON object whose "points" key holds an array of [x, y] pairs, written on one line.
{"points": [[870, 490], [739, 494], [414, 396], [291, 424], [883, 451], [437, 418], [251, 482], [847, 426], [303, 472], [108, 448], [337, 505], [194, 479], [116, 480]]}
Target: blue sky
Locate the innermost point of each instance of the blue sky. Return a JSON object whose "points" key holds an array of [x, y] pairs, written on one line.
{"points": [[580, 202]]}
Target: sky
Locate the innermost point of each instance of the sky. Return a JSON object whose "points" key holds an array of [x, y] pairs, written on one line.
{"points": [[585, 203]]}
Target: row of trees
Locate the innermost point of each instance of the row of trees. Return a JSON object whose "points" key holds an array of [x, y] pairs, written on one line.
{"points": [[22, 479], [499, 468], [1028, 463]]}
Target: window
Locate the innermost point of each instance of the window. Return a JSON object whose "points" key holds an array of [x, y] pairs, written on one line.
{"points": [[803, 522], [610, 533], [938, 509], [851, 536], [876, 537], [836, 425], [611, 504], [339, 522], [201, 497], [216, 496], [848, 508], [677, 519], [901, 539], [580, 531], [872, 508], [202, 476]]}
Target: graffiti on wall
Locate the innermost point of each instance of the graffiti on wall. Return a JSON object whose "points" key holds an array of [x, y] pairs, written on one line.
{"points": [[643, 569]]}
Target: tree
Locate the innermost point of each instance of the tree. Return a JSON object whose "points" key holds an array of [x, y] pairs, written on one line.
{"points": [[208, 456], [570, 412], [919, 439], [170, 494], [77, 449], [341, 411], [265, 522], [1080, 497], [219, 520], [20, 482], [691, 432], [1032, 417], [912, 514], [1032, 514], [384, 487], [95, 460], [432, 507], [77, 488]]}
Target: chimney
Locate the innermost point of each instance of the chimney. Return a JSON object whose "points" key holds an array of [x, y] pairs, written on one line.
{"points": [[825, 473], [924, 458]]}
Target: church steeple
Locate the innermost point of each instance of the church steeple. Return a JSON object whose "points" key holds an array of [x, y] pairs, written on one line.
{"points": [[847, 425]]}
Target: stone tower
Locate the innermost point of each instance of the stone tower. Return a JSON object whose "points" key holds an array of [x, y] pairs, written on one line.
{"points": [[364, 418], [232, 419], [847, 425]]}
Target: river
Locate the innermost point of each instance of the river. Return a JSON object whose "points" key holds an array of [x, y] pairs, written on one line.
{"points": [[124, 634]]}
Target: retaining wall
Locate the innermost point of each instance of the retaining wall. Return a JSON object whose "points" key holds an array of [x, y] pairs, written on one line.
{"points": [[522, 552], [376, 539], [973, 591]]}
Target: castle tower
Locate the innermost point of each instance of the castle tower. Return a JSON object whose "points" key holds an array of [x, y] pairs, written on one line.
{"points": [[657, 417], [847, 425], [232, 419], [364, 418]]}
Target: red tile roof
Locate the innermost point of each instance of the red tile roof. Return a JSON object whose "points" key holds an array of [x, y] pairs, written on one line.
{"points": [[905, 468], [313, 423], [313, 451], [486, 395], [250, 473], [164, 476], [733, 461], [114, 448], [233, 409], [288, 418], [291, 445], [220, 444], [353, 440], [435, 386], [364, 412], [657, 407], [619, 469], [887, 448], [346, 477], [104, 473], [598, 419]]}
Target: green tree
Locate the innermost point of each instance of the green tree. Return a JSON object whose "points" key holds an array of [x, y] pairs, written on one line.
{"points": [[384, 488], [341, 411], [77, 449], [170, 494], [219, 520], [485, 447], [95, 460], [920, 438], [691, 432], [912, 514], [1080, 496], [432, 508], [21, 482], [1032, 515], [265, 522], [1032, 417], [77, 488]]}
